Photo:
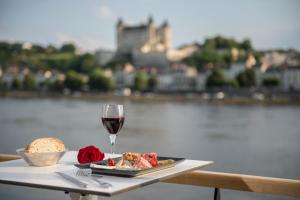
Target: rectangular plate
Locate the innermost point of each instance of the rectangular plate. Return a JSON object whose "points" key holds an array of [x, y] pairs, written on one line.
{"points": [[130, 173]]}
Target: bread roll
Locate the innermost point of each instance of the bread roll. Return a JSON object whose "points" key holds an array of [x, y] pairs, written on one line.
{"points": [[45, 145]]}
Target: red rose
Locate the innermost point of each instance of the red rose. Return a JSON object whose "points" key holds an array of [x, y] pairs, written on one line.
{"points": [[89, 154]]}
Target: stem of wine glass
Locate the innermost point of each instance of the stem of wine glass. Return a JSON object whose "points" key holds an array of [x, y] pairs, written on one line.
{"points": [[112, 138]]}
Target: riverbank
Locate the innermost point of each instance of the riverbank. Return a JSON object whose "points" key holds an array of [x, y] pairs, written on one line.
{"points": [[205, 98]]}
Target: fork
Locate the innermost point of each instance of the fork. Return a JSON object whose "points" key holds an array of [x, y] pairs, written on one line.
{"points": [[88, 173]]}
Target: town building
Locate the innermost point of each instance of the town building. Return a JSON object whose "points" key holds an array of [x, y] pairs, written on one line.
{"points": [[104, 56], [183, 51], [181, 78], [289, 77], [234, 69]]}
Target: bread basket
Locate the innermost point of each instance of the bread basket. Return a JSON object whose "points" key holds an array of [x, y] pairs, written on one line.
{"points": [[40, 159]]}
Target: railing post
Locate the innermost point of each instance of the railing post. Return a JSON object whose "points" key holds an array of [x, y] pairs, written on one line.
{"points": [[217, 195]]}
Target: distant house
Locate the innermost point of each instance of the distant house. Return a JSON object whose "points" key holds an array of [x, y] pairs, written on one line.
{"points": [[183, 51], [201, 81], [164, 82], [289, 77], [124, 79], [234, 69], [277, 59], [181, 78], [104, 56]]}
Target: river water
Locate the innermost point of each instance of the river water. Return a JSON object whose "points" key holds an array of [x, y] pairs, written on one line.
{"points": [[257, 140]]}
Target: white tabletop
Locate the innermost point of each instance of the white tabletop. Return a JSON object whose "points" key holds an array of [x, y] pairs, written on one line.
{"points": [[17, 172]]}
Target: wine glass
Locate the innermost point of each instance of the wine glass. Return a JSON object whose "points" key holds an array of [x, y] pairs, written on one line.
{"points": [[113, 119]]}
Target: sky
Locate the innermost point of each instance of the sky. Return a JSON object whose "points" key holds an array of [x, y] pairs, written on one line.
{"points": [[90, 24]]}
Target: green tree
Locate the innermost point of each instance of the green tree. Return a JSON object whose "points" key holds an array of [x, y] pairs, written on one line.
{"points": [[220, 42], [85, 63], [271, 82], [246, 45], [152, 83], [16, 84], [60, 61], [35, 49], [73, 81], [98, 81], [68, 47], [2, 84], [6, 54], [141, 81], [209, 44], [216, 79], [202, 58], [232, 83], [57, 85], [29, 82], [247, 78], [51, 49]]}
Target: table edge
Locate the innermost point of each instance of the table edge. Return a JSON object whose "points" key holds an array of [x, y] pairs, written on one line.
{"points": [[92, 192]]}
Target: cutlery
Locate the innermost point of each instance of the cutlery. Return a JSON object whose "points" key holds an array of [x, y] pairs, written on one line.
{"points": [[88, 173], [72, 179]]}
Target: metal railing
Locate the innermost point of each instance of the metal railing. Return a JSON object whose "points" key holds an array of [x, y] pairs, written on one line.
{"points": [[220, 180]]}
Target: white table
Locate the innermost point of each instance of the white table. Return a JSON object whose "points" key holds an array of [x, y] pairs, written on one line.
{"points": [[17, 172]]}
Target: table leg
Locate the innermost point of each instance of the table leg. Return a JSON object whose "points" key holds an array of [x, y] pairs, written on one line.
{"points": [[77, 196]]}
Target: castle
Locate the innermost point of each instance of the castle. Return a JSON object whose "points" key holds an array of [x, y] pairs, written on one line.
{"points": [[143, 38], [148, 45]]}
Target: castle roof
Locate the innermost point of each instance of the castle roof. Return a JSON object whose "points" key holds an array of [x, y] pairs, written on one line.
{"points": [[196, 44], [165, 23], [139, 27]]}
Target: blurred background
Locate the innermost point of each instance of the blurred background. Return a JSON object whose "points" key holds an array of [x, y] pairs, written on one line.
{"points": [[208, 80]]}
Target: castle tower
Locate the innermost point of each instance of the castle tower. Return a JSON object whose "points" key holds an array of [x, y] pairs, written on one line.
{"points": [[119, 28], [151, 33], [166, 36]]}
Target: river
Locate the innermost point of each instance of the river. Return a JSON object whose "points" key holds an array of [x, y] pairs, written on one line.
{"points": [[257, 140]]}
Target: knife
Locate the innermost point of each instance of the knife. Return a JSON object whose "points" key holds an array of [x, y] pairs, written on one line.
{"points": [[72, 179]]}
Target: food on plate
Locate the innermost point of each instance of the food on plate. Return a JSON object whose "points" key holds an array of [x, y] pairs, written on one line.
{"points": [[111, 162], [138, 161], [93, 165], [89, 154], [151, 158], [133, 160], [45, 145], [166, 162]]}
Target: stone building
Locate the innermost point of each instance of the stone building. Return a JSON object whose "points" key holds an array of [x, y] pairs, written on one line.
{"points": [[143, 38], [104, 56], [144, 45], [149, 45], [288, 76]]}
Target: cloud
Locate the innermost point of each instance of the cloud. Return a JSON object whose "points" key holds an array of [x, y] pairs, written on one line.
{"points": [[105, 12], [85, 44]]}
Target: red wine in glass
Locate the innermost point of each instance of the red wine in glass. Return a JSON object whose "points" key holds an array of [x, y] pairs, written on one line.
{"points": [[113, 125], [112, 119]]}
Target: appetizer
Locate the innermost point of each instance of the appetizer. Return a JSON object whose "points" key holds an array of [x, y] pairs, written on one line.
{"points": [[134, 161]]}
